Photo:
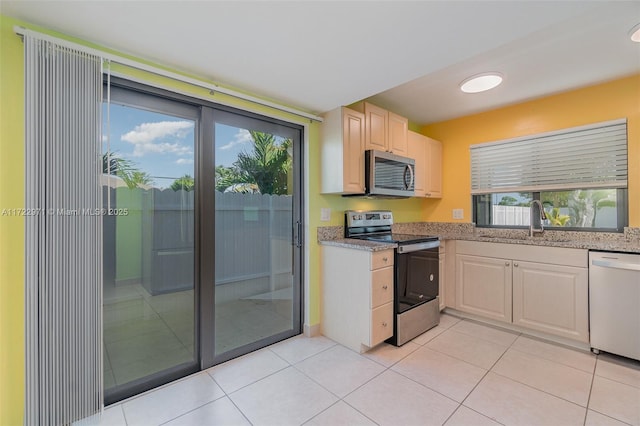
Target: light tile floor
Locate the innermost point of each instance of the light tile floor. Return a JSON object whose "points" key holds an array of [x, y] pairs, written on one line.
{"points": [[145, 333], [459, 373]]}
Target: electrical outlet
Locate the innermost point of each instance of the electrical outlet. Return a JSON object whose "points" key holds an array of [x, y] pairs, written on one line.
{"points": [[325, 214], [458, 213]]}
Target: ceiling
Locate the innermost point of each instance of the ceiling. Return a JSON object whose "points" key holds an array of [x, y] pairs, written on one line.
{"points": [[408, 57]]}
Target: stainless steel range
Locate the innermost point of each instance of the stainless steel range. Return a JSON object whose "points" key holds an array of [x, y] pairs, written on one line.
{"points": [[416, 276]]}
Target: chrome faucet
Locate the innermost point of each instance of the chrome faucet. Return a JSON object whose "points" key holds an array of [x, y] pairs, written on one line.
{"points": [[539, 217]]}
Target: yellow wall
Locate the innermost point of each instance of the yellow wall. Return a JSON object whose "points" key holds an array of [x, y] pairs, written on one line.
{"points": [[11, 227], [602, 102]]}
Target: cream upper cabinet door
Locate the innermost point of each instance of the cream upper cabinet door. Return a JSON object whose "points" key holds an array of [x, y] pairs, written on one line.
{"points": [[483, 286], [398, 134], [353, 151], [376, 127], [433, 185], [417, 149], [551, 298], [342, 152]]}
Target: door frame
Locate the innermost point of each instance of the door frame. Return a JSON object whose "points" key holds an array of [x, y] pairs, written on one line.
{"points": [[205, 234]]}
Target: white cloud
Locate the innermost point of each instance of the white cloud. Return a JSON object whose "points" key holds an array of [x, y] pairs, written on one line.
{"points": [[149, 132], [242, 137], [184, 161], [141, 149], [144, 137]]}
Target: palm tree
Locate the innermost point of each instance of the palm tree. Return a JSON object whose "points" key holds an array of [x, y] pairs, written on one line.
{"points": [[268, 165], [185, 183], [113, 164], [227, 177]]}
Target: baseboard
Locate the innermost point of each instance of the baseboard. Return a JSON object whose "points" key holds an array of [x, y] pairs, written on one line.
{"points": [[525, 331], [312, 330]]}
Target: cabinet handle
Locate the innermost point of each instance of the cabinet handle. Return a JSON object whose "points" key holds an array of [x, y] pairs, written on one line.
{"points": [[385, 259], [515, 265], [384, 324], [384, 287], [506, 263]]}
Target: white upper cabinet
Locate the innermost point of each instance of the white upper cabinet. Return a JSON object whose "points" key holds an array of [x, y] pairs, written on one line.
{"points": [[342, 152], [427, 153]]}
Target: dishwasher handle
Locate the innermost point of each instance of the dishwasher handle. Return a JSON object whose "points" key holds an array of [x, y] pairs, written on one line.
{"points": [[616, 265]]}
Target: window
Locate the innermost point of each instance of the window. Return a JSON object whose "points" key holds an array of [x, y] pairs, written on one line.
{"points": [[579, 175]]}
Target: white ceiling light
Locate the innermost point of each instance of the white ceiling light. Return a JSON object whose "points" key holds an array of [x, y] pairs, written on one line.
{"points": [[481, 82], [635, 33]]}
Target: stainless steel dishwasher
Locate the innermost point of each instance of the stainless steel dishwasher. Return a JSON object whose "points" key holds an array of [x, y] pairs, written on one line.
{"points": [[614, 303]]}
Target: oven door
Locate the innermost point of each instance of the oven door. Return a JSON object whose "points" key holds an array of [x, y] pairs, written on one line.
{"points": [[417, 276]]}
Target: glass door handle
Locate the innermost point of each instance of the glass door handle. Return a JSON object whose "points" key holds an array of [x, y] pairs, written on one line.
{"points": [[297, 234]]}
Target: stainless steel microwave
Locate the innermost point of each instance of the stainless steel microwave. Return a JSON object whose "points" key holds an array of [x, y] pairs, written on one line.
{"points": [[388, 175]]}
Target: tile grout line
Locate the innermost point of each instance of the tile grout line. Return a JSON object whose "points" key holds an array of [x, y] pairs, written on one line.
{"points": [[535, 388], [485, 375], [593, 377]]}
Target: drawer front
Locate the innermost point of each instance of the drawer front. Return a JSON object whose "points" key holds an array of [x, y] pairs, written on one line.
{"points": [[381, 324], [381, 286], [381, 259]]}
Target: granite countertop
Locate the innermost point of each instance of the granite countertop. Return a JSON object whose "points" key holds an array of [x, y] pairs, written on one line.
{"points": [[589, 244], [352, 243], [628, 242]]}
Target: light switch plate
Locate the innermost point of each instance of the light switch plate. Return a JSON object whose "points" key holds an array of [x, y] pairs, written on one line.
{"points": [[325, 214], [458, 213]]}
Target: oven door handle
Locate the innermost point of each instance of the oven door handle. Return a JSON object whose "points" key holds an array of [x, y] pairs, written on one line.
{"points": [[408, 248]]}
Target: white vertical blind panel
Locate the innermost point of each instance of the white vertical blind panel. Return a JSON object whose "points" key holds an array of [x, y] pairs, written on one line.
{"points": [[587, 157], [63, 236]]}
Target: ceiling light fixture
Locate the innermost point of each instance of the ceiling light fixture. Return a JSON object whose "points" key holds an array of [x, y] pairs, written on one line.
{"points": [[481, 82], [635, 33]]}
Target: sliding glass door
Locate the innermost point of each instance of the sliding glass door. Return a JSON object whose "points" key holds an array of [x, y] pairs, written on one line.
{"points": [[149, 241], [202, 236], [257, 235]]}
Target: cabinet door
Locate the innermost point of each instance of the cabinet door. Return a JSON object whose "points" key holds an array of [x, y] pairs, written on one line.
{"points": [[433, 185], [551, 298], [353, 151], [417, 149], [376, 127], [483, 286], [398, 132]]}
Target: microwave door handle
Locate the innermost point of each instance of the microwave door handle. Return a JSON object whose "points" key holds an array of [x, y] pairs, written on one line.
{"points": [[408, 167]]}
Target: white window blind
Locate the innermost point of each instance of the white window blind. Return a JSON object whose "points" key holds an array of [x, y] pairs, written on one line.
{"points": [[593, 156], [63, 233]]}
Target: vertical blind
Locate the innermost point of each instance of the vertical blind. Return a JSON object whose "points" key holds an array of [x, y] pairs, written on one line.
{"points": [[593, 156], [63, 235]]}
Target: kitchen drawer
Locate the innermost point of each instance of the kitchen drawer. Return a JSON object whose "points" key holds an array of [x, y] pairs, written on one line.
{"points": [[381, 286], [381, 259], [381, 324]]}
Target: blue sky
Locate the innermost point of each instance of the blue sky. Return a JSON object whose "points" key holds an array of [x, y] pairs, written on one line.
{"points": [[163, 145]]}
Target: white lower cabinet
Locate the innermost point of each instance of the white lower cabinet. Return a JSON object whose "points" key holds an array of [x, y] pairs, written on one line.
{"points": [[540, 288], [552, 298], [483, 286], [357, 296]]}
